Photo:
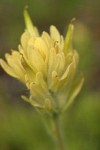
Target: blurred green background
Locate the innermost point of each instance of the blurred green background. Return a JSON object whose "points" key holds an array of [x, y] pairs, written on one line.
{"points": [[20, 126]]}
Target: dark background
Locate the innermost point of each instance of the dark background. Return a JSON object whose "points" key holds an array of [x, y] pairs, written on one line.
{"points": [[20, 126]]}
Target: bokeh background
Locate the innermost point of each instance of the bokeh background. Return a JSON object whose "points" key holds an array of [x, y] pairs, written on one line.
{"points": [[20, 126]]}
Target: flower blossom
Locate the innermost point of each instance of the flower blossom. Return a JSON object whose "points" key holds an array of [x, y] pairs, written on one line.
{"points": [[47, 65]]}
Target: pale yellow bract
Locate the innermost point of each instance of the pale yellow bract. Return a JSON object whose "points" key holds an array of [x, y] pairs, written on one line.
{"points": [[47, 65]]}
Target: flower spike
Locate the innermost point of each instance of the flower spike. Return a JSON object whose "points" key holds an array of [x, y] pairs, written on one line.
{"points": [[47, 65]]}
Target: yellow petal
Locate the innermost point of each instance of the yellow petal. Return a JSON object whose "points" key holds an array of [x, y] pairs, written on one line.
{"points": [[55, 35], [36, 105], [68, 38], [14, 61], [8, 69], [39, 89], [51, 61], [30, 27], [24, 40], [62, 43], [35, 59], [46, 37], [41, 46], [60, 63], [75, 89], [37, 93], [54, 82], [68, 71], [32, 102], [42, 84], [29, 72], [25, 98], [14, 67], [71, 68]]}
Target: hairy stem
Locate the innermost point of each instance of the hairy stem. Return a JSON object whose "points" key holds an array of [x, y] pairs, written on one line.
{"points": [[58, 132]]}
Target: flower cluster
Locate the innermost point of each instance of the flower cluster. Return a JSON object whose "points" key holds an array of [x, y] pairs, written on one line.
{"points": [[47, 65]]}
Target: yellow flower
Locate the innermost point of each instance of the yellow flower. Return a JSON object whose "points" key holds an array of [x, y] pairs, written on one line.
{"points": [[47, 65]]}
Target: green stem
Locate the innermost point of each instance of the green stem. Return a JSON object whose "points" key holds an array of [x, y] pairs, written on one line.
{"points": [[58, 132]]}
